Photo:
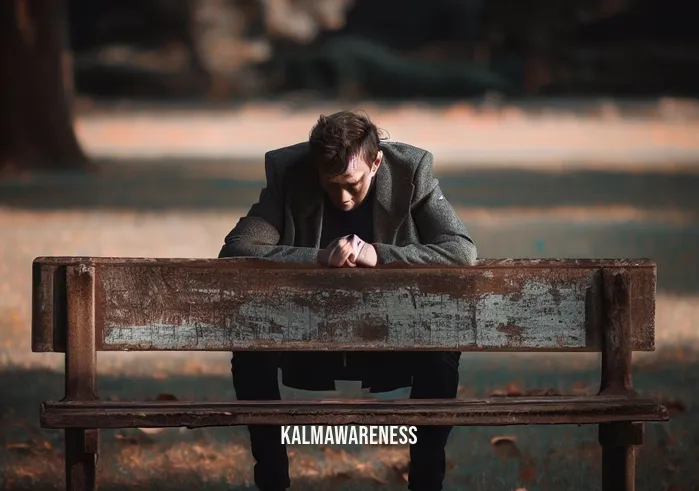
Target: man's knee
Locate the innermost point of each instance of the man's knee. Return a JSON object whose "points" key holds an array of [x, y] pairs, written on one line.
{"points": [[254, 360], [438, 362], [255, 376], [254, 367]]}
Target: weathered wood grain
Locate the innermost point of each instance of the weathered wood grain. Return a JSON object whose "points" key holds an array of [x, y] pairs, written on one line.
{"points": [[524, 305], [474, 412]]}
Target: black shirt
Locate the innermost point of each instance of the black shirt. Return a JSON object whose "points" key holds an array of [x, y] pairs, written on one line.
{"points": [[359, 221]]}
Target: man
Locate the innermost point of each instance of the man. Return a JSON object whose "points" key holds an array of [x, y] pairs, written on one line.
{"points": [[347, 199]]}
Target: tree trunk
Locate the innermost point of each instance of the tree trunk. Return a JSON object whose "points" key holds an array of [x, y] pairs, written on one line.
{"points": [[36, 128]]}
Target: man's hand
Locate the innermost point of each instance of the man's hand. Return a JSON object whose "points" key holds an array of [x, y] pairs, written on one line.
{"points": [[348, 251], [337, 253], [364, 253]]}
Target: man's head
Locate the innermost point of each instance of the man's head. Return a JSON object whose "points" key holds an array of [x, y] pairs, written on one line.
{"points": [[344, 147]]}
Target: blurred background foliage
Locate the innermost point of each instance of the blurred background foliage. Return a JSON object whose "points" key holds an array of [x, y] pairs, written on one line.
{"points": [[226, 49]]}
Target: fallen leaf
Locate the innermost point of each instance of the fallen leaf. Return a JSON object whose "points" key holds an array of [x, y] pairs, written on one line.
{"points": [[17, 445], [510, 390], [497, 439], [130, 440], [152, 431], [463, 391], [580, 387], [31, 445], [590, 451], [204, 452], [674, 406], [505, 447], [165, 397], [310, 471], [527, 471], [401, 470], [513, 390]]}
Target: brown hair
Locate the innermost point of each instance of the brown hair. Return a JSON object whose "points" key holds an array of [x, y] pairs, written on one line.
{"points": [[338, 137]]}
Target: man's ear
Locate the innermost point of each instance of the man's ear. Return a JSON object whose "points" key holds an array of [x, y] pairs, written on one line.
{"points": [[377, 163]]}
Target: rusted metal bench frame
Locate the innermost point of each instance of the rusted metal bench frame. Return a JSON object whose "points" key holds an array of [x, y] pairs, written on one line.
{"points": [[617, 436]]}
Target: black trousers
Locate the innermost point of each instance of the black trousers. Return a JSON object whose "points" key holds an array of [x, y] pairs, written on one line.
{"points": [[436, 376]]}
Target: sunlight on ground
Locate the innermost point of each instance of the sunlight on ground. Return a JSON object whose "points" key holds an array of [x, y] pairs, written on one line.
{"points": [[493, 135]]}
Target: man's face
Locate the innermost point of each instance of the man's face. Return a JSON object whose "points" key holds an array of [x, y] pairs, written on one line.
{"points": [[347, 191]]}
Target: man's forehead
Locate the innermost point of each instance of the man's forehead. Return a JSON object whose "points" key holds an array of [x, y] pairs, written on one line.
{"points": [[355, 167], [356, 162]]}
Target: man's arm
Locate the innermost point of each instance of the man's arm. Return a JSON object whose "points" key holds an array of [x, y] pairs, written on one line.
{"points": [[443, 236], [258, 233]]}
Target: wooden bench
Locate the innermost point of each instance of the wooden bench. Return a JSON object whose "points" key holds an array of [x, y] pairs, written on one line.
{"points": [[85, 305]]}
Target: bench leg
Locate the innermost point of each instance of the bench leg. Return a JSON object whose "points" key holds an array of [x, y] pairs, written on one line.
{"points": [[618, 468], [81, 459], [82, 445], [618, 442]]}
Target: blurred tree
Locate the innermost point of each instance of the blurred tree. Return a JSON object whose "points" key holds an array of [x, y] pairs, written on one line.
{"points": [[36, 129]]}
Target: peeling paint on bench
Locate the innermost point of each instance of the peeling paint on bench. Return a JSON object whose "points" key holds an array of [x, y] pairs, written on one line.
{"points": [[227, 305], [532, 318]]}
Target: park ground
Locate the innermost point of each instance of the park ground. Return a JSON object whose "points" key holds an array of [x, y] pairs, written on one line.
{"points": [[602, 181]]}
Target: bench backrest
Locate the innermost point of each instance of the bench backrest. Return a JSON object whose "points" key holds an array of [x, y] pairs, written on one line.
{"points": [[252, 304]]}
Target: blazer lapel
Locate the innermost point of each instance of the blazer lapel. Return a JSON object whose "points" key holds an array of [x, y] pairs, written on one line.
{"points": [[308, 208], [392, 207]]}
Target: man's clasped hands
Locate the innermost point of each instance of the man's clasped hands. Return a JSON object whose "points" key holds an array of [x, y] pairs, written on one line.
{"points": [[348, 252]]}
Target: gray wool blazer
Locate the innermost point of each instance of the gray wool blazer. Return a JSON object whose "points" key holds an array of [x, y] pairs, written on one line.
{"points": [[413, 221]]}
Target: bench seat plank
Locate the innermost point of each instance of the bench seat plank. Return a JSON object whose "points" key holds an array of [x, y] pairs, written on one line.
{"points": [[494, 411]]}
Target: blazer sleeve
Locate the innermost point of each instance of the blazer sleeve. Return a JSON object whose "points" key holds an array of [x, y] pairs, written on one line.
{"points": [[444, 240], [258, 233]]}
